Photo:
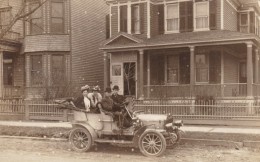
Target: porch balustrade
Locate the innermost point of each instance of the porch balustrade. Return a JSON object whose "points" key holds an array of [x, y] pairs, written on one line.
{"points": [[13, 92], [185, 91]]}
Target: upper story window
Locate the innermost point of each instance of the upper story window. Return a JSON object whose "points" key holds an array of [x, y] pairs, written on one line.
{"points": [[36, 24], [172, 18], [244, 22], [123, 18], [57, 16], [201, 15], [136, 19], [5, 17]]}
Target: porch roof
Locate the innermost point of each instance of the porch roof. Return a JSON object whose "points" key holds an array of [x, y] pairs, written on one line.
{"points": [[183, 40]]}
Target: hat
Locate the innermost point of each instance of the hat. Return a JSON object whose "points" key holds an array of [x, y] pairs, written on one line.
{"points": [[85, 87], [96, 88], [116, 87], [108, 89]]}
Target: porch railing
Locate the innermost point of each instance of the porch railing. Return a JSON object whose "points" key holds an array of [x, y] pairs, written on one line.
{"points": [[185, 109], [215, 90], [13, 92]]}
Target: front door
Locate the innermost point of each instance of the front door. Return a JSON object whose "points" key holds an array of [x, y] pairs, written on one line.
{"points": [[129, 78], [117, 76]]}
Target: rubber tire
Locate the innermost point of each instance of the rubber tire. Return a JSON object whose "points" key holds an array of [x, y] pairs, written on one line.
{"points": [[177, 141], [162, 140], [86, 132]]}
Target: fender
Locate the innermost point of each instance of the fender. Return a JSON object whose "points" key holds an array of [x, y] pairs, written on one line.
{"points": [[88, 127], [138, 134]]}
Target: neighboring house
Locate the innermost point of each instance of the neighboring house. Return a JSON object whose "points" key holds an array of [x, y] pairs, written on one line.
{"points": [[52, 49], [170, 49]]}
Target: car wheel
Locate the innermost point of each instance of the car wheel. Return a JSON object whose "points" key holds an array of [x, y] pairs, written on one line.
{"points": [[80, 139], [173, 141], [152, 143]]}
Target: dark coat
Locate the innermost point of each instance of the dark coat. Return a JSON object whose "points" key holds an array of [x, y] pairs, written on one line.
{"points": [[107, 103], [79, 102], [117, 100]]}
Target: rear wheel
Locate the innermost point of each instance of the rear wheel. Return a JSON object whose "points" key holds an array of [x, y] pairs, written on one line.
{"points": [[152, 143], [173, 140], [80, 139]]}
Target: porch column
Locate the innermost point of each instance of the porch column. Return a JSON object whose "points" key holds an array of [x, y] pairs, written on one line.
{"points": [[1, 74], [192, 78], [148, 75], [106, 70], [249, 69], [256, 66], [192, 70], [141, 74]]}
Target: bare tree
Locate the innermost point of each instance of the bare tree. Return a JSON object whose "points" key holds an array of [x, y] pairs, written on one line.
{"points": [[129, 75], [22, 14]]}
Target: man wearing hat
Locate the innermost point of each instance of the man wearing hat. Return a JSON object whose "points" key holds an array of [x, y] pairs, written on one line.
{"points": [[83, 102], [117, 99]]}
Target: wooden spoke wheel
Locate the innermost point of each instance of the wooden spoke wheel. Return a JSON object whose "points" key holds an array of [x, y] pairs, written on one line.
{"points": [[80, 139], [152, 143]]}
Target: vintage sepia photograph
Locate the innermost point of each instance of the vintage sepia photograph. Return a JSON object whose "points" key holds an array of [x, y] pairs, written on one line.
{"points": [[129, 80]]}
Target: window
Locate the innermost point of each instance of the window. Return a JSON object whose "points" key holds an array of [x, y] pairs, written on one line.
{"points": [[123, 18], [5, 17], [208, 67], [201, 68], [136, 19], [172, 17], [36, 25], [57, 17], [8, 69], [116, 70], [201, 15], [173, 69], [36, 70], [244, 22], [58, 69]]}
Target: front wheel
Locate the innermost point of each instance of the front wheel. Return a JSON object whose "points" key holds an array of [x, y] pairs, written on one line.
{"points": [[80, 139], [152, 143]]}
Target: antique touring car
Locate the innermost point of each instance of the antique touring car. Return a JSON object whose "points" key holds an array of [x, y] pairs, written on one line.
{"points": [[151, 133]]}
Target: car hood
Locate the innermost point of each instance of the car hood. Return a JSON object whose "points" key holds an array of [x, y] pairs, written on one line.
{"points": [[151, 117]]}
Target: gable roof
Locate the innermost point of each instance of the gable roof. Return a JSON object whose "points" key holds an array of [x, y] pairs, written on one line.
{"points": [[121, 39]]}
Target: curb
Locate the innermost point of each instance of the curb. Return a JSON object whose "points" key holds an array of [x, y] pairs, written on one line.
{"points": [[204, 142]]}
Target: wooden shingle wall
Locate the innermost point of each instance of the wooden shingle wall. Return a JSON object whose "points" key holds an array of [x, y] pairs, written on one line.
{"points": [[230, 17], [87, 33]]}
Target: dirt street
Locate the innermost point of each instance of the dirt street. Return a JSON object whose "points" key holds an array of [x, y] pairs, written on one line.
{"points": [[26, 150]]}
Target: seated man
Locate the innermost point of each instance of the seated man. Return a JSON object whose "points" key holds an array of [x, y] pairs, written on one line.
{"points": [[107, 102]]}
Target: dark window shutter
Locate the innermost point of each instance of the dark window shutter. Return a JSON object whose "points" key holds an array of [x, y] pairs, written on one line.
{"points": [[183, 16], [107, 26], [142, 17], [189, 16], [213, 14], [123, 18], [161, 19], [186, 16]]}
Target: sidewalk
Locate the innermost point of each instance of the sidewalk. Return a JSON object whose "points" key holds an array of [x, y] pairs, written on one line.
{"points": [[206, 135]]}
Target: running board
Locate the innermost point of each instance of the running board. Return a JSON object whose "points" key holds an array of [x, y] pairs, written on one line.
{"points": [[113, 141]]}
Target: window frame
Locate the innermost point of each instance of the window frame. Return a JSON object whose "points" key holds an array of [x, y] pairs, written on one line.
{"points": [[63, 68], [138, 19], [195, 16], [166, 18], [167, 68], [38, 18], [5, 10], [35, 70], [53, 17], [207, 67], [247, 22]]}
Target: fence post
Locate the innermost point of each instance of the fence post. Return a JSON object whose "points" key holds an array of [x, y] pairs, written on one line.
{"points": [[27, 109]]}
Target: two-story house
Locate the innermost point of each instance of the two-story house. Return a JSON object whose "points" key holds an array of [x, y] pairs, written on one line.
{"points": [[52, 49], [183, 48]]}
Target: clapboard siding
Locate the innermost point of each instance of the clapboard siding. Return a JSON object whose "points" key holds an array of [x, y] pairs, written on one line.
{"points": [[88, 31]]}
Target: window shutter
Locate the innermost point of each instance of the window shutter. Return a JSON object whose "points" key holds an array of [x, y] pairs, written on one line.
{"points": [[213, 14], [183, 16], [142, 17], [161, 19], [186, 16], [123, 18], [107, 26]]}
